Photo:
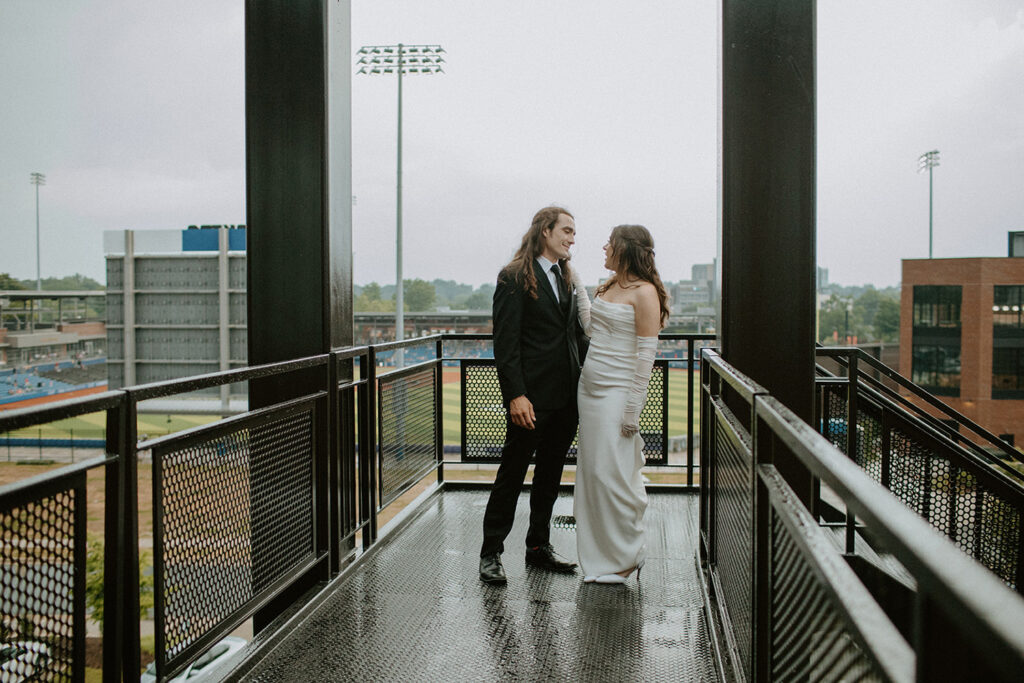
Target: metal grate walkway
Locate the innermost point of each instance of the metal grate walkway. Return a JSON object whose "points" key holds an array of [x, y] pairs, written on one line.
{"points": [[416, 611]]}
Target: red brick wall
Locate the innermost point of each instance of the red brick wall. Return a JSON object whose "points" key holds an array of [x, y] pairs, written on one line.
{"points": [[977, 276]]}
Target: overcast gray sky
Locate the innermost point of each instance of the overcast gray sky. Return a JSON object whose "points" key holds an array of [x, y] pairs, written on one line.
{"points": [[134, 111]]}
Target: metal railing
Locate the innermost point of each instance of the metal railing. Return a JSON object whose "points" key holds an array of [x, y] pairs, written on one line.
{"points": [[240, 508], [483, 426], [950, 478], [243, 506], [785, 592], [44, 543]]}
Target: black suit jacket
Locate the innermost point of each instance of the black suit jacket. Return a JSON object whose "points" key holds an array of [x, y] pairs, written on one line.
{"points": [[536, 342]]}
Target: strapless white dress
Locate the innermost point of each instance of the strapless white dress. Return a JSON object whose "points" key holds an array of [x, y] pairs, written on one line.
{"points": [[610, 498]]}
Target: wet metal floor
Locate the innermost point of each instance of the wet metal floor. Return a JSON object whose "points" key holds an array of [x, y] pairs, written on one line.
{"points": [[416, 610]]}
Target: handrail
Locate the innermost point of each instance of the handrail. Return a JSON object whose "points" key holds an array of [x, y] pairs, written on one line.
{"points": [[988, 611], [144, 392], [838, 353], [994, 612], [20, 418], [938, 430]]}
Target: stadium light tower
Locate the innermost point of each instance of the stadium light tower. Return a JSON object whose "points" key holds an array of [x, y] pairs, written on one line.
{"points": [[37, 179], [928, 161], [400, 59]]}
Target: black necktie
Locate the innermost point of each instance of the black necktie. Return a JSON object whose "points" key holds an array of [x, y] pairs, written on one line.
{"points": [[558, 281]]}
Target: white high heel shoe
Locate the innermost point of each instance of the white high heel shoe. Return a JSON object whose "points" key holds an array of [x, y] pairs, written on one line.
{"points": [[610, 579], [614, 579]]}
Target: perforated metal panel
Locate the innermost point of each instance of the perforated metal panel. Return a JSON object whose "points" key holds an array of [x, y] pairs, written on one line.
{"points": [[998, 541], [408, 430], [869, 451], [483, 415], [923, 474], [234, 514], [810, 640], [39, 601], [654, 416], [483, 424], [733, 498]]}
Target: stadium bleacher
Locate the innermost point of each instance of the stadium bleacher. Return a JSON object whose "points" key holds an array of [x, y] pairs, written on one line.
{"points": [[51, 379]]}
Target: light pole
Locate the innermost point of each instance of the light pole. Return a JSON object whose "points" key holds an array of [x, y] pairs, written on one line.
{"points": [[400, 59], [929, 160], [37, 179]]}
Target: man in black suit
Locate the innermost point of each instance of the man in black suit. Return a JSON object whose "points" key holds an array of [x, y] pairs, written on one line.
{"points": [[536, 351]]}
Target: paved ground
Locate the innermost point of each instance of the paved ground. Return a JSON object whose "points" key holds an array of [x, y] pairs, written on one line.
{"points": [[416, 611]]}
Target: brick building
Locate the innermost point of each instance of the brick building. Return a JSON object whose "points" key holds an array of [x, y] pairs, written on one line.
{"points": [[962, 336]]}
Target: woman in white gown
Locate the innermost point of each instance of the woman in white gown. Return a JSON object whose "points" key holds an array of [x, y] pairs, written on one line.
{"points": [[629, 310]]}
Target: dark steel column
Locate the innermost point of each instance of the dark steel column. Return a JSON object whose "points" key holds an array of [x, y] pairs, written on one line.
{"points": [[767, 232], [298, 200]]}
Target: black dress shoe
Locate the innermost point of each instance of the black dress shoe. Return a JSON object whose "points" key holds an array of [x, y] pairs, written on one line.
{"points": [[544, 557], [491, 570]]}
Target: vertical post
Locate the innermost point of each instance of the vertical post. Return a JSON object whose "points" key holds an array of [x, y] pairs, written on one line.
{"points": [[39, 281], [324, 490], [224, 318], [399, 281], [114, 542], [128, 297], [299, 218], [767, 194], [689, 411], [930, 196], [131, 653], [439, 408], [367, 447], [337, 450]]}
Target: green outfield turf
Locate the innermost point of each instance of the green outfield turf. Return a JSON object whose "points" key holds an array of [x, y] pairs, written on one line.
{"points": [[93, 426], [151, 426], [677, 402]]}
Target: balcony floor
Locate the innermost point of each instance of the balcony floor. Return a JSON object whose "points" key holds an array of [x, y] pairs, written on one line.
{"points": [[416, 611]]}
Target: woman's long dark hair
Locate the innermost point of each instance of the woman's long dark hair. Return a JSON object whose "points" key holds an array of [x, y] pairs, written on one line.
{"points": [[520, 268], [633, 255]]}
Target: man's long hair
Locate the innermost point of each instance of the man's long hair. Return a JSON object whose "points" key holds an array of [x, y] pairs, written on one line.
{"points": [[520, 268], [633, 255]]}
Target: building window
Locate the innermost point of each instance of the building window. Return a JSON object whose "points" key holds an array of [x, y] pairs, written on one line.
{"points": [[937, 368], [1007, 305], [1007, 373], [1007, 342], [935, 343], [937, 306]]}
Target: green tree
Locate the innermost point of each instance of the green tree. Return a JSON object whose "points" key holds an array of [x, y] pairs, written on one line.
{"points": [[419, 295], [479, 301], [364, 304], [370, 301], [832, 318], [94, 559], [76, 282], [8, 283], [887, 320], [865, 308], [372, 291]]}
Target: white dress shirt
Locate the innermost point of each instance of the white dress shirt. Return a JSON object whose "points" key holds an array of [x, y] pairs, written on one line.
{"points": [[546, 265]]}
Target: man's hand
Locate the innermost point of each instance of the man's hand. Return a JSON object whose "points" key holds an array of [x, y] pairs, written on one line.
{"points": [[520, 410]]}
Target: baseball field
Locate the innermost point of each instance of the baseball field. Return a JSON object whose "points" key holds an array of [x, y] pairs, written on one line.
{"points": [[150, 425]]}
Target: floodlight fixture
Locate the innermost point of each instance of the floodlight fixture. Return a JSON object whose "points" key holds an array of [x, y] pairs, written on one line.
{"points": [[427, 61]]}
